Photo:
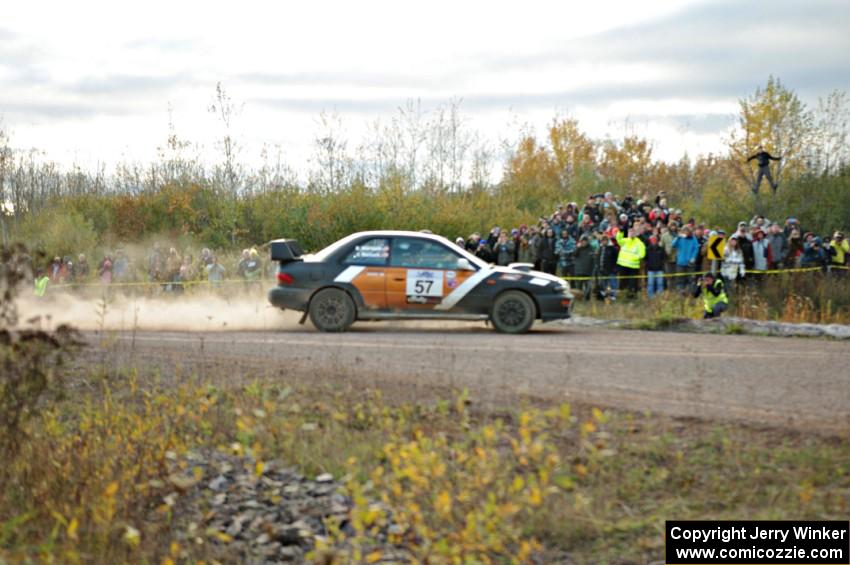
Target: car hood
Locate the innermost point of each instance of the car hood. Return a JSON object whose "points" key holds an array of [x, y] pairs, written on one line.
{"points": [[532, 274]]}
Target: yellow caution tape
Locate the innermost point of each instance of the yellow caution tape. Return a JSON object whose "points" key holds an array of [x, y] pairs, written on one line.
{"points": [[158, 283], [700, 273], [572, 278]]}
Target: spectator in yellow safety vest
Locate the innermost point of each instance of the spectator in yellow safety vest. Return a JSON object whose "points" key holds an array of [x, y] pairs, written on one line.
{"points": [[41, 282], [632, 251], [714, 296], [838, 252]]}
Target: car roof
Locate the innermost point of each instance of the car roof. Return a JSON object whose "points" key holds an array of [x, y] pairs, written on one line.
{"points": [[403, 233], [399, 233]]}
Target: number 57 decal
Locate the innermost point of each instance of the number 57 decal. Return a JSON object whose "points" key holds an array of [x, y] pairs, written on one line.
{"points": [[424, 283]]}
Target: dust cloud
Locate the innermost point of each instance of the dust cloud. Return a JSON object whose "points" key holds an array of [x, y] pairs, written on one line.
{"points": [[196, 312]]}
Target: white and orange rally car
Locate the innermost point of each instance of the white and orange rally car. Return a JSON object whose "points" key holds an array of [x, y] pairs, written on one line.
{"points": [[381, 275]]}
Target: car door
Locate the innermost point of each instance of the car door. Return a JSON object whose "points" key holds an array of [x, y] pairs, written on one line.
{"points": [[365, 267], [421, 273]]}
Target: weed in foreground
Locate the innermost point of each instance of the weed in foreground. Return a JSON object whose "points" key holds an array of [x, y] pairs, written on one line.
{"points": [[94, 481]]}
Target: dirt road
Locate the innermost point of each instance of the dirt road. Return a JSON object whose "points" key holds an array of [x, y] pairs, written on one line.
{"points": [[795, 383]]}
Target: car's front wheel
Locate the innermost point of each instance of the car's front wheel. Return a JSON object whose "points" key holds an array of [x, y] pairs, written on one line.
{"points": [[513, 312], [332, 310]]}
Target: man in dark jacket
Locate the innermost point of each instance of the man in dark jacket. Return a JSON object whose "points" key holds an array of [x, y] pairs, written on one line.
{"points": [[813, 252], [571, 226], [702, 240], [763, 158], [584, 265], [548, 259], [505, 250], [534, 239], [606, 267], [655, 260], [493, 237], [483, 252], [746, 244], [592, 211]]}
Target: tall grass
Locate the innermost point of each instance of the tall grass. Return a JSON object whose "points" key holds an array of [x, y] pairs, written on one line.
{"points": [[97, 479], [809, 297]]}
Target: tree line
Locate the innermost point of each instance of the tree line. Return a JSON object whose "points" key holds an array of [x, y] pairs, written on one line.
{"points": [[421, 170]]}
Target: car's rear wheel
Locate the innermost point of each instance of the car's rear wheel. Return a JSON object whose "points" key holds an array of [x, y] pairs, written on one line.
{"points": [[332, 310], [513, 312]]}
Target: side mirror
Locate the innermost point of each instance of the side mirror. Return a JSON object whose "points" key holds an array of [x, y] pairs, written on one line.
{"points": [[463, 264]]}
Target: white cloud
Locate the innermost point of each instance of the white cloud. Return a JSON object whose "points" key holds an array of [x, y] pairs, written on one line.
{"points": [[93, 81]]}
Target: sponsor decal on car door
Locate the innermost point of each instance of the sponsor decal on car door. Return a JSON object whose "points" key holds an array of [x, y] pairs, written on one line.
{"points": [[422, 273], [367, 271], [421, 289], [371, 284]]}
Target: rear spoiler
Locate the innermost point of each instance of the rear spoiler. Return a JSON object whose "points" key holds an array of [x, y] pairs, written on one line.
{"points": [[285, 250]]}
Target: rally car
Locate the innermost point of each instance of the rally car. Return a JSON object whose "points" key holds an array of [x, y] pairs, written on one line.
{"points": [[394, 275]]}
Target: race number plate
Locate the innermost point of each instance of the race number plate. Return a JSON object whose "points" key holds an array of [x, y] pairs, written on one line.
{"points": [[424, 283]]}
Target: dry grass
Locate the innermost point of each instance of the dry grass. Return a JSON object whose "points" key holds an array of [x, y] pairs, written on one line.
{"points": [[796, 298], [466, 483]]}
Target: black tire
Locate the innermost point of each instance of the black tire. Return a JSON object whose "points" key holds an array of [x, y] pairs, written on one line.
{"points": [[332, 310], [513, 312]]}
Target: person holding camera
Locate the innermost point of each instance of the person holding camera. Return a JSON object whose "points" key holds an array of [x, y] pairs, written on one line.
{"points": [[714, 297], [838, 252], [687, 251], [607, 268], [565, 249], [584, 266], [733, 268], [745, 244], [795, 249], [813, 253]]}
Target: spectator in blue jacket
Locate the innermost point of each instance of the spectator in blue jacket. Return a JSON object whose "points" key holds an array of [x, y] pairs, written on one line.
{"points": [[565, 248], [813, 252], [687, 250]]}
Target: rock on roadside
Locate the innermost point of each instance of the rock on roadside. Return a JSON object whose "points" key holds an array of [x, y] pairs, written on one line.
{"points": [[726, 325], [236, 510]]}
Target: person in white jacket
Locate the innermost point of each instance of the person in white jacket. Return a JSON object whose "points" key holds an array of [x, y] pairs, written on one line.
{"points": [[733, 263]]}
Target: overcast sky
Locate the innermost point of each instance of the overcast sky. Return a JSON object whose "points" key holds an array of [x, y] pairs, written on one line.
{"points": [[93, 81]]}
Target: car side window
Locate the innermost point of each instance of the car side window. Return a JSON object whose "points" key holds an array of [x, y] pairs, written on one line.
{"points": [[374, 251], [422, 254]]}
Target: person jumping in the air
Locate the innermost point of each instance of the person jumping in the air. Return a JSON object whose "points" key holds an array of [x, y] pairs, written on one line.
{"points": [[763, 159]]}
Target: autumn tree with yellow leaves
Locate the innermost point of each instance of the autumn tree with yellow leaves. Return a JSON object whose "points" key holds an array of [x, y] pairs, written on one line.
{"points": [[777, 119], [426, 170]]}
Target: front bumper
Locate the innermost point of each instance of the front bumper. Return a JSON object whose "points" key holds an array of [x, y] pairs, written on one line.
{"points": [[555, 306], [289, 298]]}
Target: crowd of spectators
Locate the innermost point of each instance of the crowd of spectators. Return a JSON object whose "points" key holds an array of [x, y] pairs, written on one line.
{"points": [[172, 270], [603, 246], [608, 244]]}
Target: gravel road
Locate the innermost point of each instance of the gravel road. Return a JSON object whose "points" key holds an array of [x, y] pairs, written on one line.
{"points": [[794, 383]]}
